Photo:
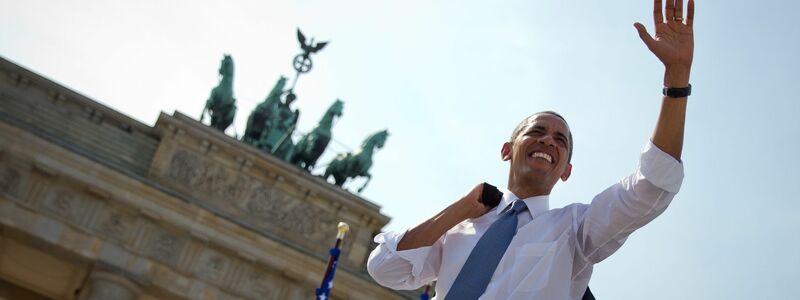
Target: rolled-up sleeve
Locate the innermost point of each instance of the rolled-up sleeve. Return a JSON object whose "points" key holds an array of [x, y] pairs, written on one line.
{"points": [[403, 270], [605, 224]]}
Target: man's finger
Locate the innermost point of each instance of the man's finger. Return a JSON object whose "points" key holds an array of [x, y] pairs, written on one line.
{"points": [[670, 10], [690, 15], [646, 38], [657, 15], [679, 8]]}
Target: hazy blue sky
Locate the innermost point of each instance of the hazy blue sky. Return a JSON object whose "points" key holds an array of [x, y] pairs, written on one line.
{"points": [[450, 80]]}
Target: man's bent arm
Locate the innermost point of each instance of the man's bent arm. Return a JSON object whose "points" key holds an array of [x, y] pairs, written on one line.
{"points": [[428, 232], [409, 260], [403, 270]]}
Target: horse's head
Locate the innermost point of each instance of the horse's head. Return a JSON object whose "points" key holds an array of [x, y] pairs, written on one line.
{"points": [[276, 92], [279, 85], [336, 108], [226, 66], [377, 139]]}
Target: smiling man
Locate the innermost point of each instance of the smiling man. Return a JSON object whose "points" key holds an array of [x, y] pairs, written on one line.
{"points": [[523, 249]]}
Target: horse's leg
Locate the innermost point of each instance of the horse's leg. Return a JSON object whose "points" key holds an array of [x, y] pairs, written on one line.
{"points": [[329, 169], [369, 177], [339, 179], [289, 152]]}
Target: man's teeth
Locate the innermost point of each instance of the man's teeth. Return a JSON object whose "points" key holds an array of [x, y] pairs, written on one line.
{"points": [[543, 155]]}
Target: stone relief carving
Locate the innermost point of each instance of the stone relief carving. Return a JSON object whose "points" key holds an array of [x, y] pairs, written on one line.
{"points": [[269, 206], [64, 203], [194, 172], [164, 246], [184, 167], [115, 225], [265, 206], [210, 265], [9, 180]]}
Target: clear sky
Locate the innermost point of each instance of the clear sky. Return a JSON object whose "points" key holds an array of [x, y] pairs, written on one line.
{"points": [[451, 79]]}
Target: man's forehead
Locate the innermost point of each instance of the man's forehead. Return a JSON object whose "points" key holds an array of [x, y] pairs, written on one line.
{"points": [[547, 120]]}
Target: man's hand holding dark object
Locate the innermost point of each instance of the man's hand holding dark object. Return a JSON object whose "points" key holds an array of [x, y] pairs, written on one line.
{"points": [[478, 201]]}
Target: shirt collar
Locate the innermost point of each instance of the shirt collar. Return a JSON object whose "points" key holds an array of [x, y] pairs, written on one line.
{"points": [[536, 204]]}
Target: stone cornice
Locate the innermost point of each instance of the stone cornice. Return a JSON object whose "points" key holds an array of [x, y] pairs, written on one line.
{"points": [[24, 79]]}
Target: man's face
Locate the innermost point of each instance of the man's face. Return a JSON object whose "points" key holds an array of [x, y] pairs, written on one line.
{"points": [[539, 155]]}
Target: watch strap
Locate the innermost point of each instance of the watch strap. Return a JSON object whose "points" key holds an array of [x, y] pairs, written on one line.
{"points": [[677, 92]]}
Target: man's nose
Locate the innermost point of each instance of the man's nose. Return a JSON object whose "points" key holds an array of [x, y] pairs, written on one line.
{"points": [[547, 140]]}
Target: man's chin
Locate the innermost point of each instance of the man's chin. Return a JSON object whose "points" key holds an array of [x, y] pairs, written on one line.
{"points": [[535, 178]]}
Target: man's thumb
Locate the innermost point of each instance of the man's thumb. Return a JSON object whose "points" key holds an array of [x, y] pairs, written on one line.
{"points": [[646, 38]]}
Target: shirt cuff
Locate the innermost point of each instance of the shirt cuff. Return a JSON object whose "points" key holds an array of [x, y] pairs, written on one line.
{"points": [[416, 257], [660, 168]]}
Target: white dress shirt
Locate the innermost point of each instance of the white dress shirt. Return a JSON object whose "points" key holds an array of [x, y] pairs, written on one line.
{"points": [[554, 250]]}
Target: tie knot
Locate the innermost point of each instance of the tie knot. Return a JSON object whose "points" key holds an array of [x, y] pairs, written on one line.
{"points": [[518, 206]]}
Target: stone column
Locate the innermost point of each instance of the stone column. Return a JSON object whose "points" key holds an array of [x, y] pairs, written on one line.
{"points": [[104, 285]]}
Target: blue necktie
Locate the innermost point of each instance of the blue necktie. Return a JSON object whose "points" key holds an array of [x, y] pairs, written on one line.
{"points": [[477, 271]]}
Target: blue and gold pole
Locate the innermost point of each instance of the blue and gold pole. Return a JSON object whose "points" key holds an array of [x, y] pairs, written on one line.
{"points": [[324, 290]]}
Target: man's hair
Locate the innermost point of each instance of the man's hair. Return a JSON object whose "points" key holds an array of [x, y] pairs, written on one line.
{"points": [[524, 122]]}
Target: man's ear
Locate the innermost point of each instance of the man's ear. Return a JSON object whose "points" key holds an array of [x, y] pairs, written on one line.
{"points": [[566, 173], [505, 151]]}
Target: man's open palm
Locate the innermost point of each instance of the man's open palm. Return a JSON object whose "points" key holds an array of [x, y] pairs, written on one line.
{"points": [[674, 40]]}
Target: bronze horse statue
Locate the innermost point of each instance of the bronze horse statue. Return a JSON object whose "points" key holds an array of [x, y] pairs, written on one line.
{"points": [[356, 163], [221, 105], [311, 146]]}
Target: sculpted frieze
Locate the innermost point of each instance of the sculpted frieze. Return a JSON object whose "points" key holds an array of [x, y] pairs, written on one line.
{"points": [[115, 225], [65, 203], [164, 246], [265, 206], [210, 180], [184, 167], [210, 265]]}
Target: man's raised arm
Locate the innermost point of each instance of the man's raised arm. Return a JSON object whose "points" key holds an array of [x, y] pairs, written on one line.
{"points": [[639, 198], [674, 46]]}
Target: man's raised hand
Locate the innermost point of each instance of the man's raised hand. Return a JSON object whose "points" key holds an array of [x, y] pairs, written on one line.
{"points": [[674, 40]]}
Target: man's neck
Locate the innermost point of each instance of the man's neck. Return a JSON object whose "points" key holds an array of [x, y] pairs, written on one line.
{"points": [[524, 193]]}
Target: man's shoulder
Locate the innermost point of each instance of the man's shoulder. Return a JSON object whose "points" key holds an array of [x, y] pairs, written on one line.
{"points": [[569, 209], [571, 212]]}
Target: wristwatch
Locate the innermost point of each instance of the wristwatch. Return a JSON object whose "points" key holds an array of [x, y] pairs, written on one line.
{"points": [[677, 92]]}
